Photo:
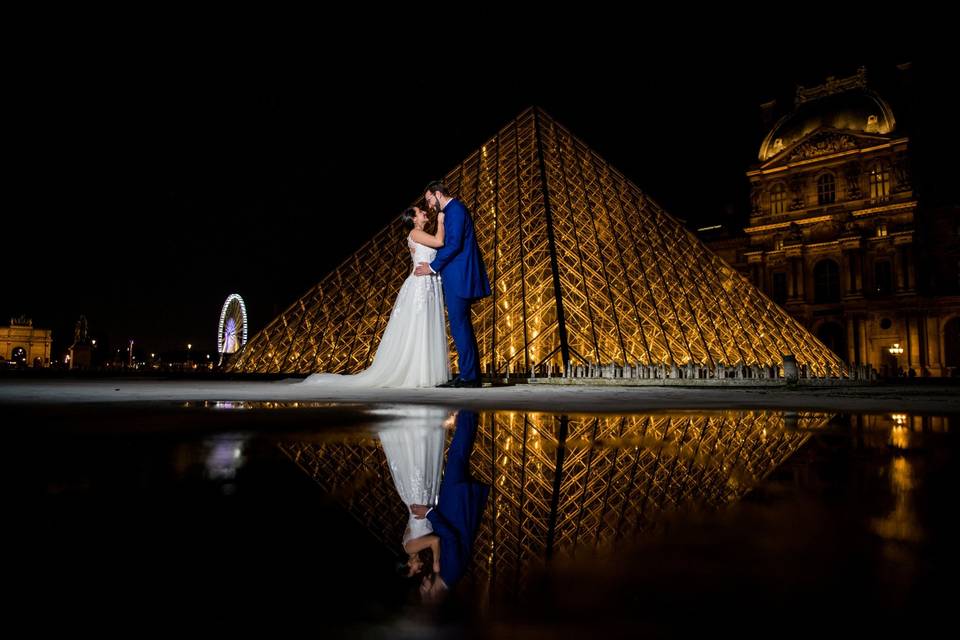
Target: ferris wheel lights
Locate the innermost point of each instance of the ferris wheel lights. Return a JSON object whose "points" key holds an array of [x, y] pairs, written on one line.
{"points": [[232, 329]]}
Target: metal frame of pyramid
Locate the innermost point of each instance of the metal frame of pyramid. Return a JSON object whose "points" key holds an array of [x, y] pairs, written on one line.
{"points": [[584, 267], [563, 485]]}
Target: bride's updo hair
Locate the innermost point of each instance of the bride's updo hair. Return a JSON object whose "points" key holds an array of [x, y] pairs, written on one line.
{"points": [[426, 559], [408, 218]]}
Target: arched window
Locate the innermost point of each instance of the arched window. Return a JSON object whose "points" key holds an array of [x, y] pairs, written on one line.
{"points": [[880, 181], [778, 199], [826, 282], [826, 189]]}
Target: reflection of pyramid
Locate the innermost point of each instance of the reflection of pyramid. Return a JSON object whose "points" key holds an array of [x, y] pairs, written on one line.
{"points": [[584, 267], [564, 485]]}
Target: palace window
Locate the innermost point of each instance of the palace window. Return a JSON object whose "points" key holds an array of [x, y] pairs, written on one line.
{"points": [[879, 181], [826, 282], [778, 199], [883, 276], [826, 189]]}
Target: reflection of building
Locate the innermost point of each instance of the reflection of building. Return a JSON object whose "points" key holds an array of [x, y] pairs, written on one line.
{"points": [[24, 344], [567, 485], [839, 238], [584, 266]]}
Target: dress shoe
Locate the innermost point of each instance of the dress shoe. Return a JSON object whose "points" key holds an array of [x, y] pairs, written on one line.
{"points": [[450, 383], [459, 384]]}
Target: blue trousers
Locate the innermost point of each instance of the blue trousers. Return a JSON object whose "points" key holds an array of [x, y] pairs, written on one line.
{"points": [[468, 355]]}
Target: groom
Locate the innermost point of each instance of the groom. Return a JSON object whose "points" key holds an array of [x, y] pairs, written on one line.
{"points": [[460, 506], [463, 276]]}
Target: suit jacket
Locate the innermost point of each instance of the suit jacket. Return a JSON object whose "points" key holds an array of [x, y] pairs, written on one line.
{"points": [[458, 261], [460, 504]]}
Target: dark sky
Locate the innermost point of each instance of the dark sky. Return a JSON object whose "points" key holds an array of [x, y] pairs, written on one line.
{"points": [[146, 188]]}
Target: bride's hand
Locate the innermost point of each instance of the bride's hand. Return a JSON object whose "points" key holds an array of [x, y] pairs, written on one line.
{"points": [[440, 217]]}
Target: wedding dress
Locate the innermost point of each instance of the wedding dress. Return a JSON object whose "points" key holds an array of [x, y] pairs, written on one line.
{"points": [[413, 351], [413, 442]]}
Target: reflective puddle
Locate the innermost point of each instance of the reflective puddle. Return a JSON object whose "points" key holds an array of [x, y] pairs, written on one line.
{"points": [[388, 516]]}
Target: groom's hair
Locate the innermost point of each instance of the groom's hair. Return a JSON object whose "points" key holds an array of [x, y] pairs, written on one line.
{"points": [[438, 187]]}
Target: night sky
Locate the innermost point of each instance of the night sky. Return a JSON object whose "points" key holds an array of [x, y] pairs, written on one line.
{"points": [[146, 188]]}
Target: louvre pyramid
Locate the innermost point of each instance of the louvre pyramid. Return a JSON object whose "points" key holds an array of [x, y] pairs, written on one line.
{"points": [[562, 485], [584, 267]]}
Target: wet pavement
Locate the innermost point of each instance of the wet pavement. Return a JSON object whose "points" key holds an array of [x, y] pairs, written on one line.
{"points": [[936, 396], [595, 524]]}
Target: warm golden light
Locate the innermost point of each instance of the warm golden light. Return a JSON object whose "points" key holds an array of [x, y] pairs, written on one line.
{"points": [[900, 437], [616, 476], [636, 288]]}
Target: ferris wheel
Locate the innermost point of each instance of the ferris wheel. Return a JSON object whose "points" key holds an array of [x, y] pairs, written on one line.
{"points": [[232, 334]]}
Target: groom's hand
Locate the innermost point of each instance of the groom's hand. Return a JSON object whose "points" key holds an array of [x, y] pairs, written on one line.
{"points": [[419, 510], [423, 269]]}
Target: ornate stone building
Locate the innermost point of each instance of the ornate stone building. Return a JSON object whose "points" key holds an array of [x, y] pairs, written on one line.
{"points": [[838, 236], [24, 344]]}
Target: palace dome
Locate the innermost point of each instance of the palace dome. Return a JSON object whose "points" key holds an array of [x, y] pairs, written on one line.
{"points": [[855, 110]]}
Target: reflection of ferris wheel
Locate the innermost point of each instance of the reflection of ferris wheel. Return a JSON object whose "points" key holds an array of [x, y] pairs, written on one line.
{"points": [[232, 333]]}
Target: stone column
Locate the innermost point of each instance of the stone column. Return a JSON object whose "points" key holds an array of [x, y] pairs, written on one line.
{"points": [[917, 343], [800, 267], [858, 271], [851, 341], [790, 277], [934, 346], [865, 356], [852, 281]]}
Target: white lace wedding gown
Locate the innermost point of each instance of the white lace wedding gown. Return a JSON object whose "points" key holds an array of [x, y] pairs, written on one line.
{"points": [[413, 351], [413, 442]]}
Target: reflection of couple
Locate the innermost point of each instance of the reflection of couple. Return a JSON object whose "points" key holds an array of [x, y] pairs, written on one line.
{"points": [[447, 270], [444, 515]]}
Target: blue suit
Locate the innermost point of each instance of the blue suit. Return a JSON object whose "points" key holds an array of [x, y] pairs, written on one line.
{"points": [[464, 280], [460, 504]]}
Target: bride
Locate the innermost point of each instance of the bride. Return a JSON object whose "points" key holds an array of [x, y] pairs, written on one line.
{"points": [[413, 351], [413, 443]]}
